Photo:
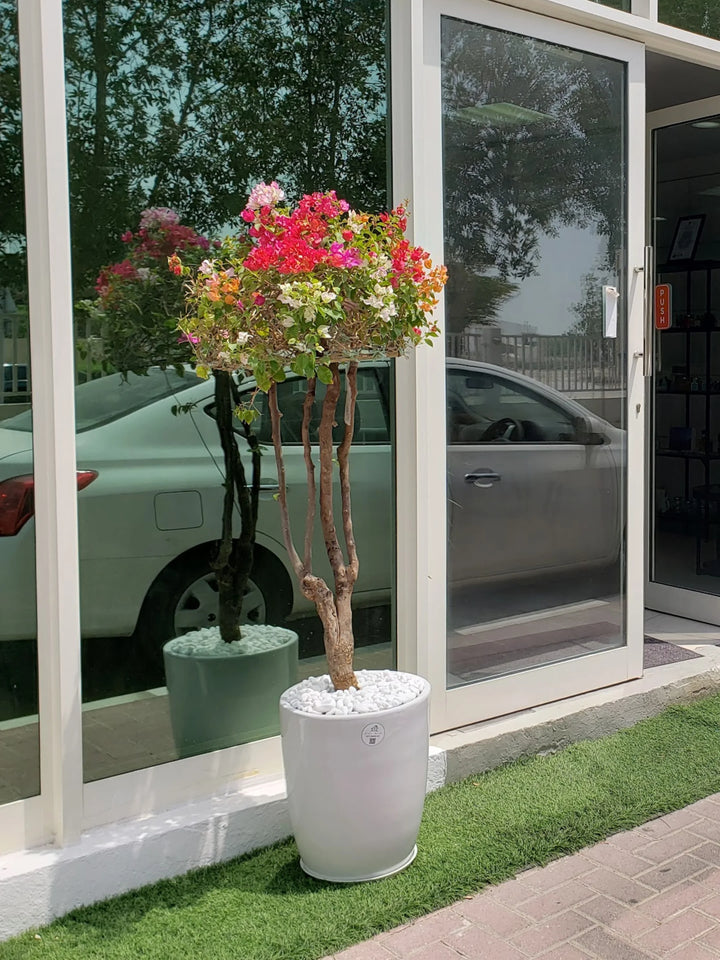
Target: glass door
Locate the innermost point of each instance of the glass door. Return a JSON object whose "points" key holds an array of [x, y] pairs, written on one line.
{"points": [[684, 548], [537, 183]]}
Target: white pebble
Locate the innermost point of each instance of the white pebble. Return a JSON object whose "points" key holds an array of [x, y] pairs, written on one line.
{"points": [[379, 690], [207, 642]]}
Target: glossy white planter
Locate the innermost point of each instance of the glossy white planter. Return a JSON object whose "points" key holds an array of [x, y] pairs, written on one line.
{"points": [[356, 788]]}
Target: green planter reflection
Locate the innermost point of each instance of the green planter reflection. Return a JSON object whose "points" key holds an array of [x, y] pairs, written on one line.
{"points": [[221, 701]]}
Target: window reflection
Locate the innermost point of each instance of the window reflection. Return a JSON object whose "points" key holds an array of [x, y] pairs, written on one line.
{"points": [[166, 135], [534, 159], [19, 760], [698, 16]]}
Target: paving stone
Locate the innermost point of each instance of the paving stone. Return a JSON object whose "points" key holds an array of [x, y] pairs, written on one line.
{"points": [[709, 878], [495, 916], [707, 829], [712, 938], [684, 895], [370, 950], [567, 868], [481, 945], [623, 861], [603, 945], [671, 845], [548, 904], [552, 932], [679, 930], [513, 892], [435, 926], [436, 951], [620, 888], [681, 818], [706, 808], [692, 951], [709, 852], [566, 952], [711, 906], [672, 872]]}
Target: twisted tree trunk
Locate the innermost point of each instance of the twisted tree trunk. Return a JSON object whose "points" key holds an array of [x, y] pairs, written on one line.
{"points": [[334, 609], [234, 559]]}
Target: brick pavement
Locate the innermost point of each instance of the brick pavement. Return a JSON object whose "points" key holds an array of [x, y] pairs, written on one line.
{"points": [[652, 892]]}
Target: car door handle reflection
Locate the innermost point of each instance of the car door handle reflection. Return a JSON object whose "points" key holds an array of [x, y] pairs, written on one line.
{"points": [[483, 478], [269, 486]]}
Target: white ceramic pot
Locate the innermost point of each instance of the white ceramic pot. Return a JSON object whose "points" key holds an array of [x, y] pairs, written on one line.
{"points": [[356, 788]]}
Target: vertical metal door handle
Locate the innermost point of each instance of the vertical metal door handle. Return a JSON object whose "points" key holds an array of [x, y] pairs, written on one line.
{"points": [[649, 286]]}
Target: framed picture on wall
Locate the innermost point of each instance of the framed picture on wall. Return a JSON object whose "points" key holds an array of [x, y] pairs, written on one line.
{"points": [[687, 236]]}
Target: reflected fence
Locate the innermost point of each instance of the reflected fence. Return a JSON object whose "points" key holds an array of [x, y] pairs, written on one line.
{"points": [[16, 384], [576, 364]]}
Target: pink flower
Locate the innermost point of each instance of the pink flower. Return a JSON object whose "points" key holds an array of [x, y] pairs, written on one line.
{"points": [[265, 195], [188, 338], [158, 217], [127, 236], [248, 216], [259, 299]]}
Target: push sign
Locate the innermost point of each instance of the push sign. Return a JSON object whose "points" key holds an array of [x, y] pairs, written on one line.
{"points": [[663, 306]]}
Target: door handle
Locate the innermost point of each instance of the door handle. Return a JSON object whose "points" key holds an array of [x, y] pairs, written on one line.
{"points": [[269, 486], [649, 285], [483, 478]]}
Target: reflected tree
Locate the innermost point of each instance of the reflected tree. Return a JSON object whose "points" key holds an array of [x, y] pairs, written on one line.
{"points": [[531, 141], [185, 104], [13, 276], [699, 16]]}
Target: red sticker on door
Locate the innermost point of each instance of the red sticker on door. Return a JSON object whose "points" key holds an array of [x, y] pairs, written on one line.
{"points": [[663, 306]]}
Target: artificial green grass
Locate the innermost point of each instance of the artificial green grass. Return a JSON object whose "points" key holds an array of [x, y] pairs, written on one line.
{"points": [[483, 830]]}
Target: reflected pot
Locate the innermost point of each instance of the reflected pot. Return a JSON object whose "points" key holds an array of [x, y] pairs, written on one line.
{"points": [[221, 701], [356, 788]]}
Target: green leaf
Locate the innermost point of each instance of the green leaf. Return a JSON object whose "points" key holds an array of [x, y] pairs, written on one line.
{"points": [[324, 374]]}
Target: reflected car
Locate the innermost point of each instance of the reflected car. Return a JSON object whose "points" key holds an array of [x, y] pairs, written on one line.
{"points": [[534, 484]]}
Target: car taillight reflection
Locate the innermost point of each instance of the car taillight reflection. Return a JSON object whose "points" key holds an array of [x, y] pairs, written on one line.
{"points": [[17, 500]]}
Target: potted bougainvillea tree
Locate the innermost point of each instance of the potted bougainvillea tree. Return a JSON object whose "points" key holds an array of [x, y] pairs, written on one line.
{"points": [[310, 292], [223, 679]]}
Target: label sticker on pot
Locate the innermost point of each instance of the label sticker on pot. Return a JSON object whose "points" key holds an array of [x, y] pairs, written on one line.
{"points": [[373, 734]]}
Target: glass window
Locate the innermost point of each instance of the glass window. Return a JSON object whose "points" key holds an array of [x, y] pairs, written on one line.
{"points": [[698, 16], [617, 4], [372, 414], [19, 745], [167, 134], [483, 408], [534, 161]]}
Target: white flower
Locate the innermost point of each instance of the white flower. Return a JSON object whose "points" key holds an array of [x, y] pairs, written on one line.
{"points": [[265, 195], [327, 296], [287, 322], [292, 302], [323, 332], [387, 312], [373, 301], [353, 223], [309, 312], [242, 337], [206, 266], [143, 273]]}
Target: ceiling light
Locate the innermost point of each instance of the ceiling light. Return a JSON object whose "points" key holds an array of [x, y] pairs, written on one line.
{"points": [[504, 114]]}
